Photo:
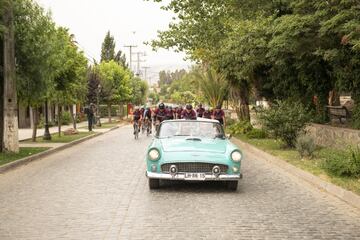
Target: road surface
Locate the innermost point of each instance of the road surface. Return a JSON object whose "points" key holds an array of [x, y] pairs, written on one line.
{"points": [[98, 190]]}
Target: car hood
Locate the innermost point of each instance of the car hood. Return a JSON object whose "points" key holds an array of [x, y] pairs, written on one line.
{"points": [[194, 145]]}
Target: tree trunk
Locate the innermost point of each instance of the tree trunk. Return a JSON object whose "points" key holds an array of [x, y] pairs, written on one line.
{"points": [[334, 98], [73, 115], [109, 112], [35, 121], [10, 107], [59, 120], [1, 94]]}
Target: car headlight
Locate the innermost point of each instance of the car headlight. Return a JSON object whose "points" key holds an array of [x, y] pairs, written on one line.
{"points": [[236, 156], [154, 154]]}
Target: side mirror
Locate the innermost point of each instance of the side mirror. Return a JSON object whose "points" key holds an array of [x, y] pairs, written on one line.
{"points": [[228, 136]]}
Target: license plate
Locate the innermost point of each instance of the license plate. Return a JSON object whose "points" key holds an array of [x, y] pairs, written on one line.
{"points": [[195, 176]]}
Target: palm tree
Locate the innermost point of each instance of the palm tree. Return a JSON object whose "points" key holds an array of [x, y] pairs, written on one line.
{"points": [[213, 85]]}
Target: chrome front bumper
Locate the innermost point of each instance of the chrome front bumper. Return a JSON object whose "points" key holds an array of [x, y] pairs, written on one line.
{"points": [[181, 176]]}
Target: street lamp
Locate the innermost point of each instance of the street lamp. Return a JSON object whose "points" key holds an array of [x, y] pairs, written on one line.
{"points": [[98, 106], [47, 135]]}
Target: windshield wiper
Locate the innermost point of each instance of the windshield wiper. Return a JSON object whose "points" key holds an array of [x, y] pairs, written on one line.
{"points": [[179, 135]]}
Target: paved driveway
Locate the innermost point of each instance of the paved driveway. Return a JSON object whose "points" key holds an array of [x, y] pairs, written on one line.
{"points": [[98, 190]]}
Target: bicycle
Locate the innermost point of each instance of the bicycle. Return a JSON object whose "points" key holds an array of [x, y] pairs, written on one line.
{"points": [[136, 129], [147, 125]]}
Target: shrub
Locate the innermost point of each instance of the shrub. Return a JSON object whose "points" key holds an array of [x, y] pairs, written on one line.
{"points": [[343, 165], [66, 118], [256, 133], [355, 118], [286, 120], [230, 121], [241, 127], [305, 146]]}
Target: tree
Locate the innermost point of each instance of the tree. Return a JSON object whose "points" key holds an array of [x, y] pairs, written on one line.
{"points": [[120, 58], [108, 48], [93, 84], [115, 84], [139, 91], [9, 119], [213, 85]]}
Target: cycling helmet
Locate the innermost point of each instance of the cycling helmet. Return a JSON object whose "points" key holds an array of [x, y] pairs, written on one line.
{"points": [[161, 106], [136, 108], [189, 107]]}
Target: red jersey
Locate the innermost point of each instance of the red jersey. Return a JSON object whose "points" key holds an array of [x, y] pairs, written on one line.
{"points": [[218, 114], [188, 115], [200, 112], [160, 114], [137, 114], [207, 114]]}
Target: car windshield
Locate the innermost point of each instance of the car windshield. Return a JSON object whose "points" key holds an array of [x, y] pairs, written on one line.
{"points": [[190, 128]]}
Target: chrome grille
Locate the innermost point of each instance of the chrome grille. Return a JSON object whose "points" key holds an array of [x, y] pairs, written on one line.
{"points": [[194, 167]]}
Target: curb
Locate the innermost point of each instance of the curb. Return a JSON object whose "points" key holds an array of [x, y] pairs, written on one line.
{"points": [[345, 195], [12, 165]]}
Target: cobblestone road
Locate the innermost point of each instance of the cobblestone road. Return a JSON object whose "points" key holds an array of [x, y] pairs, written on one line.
{"points": [[97, 190]]}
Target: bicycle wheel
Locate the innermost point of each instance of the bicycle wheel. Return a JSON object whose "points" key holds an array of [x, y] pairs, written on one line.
{"points": [[136, 131]]}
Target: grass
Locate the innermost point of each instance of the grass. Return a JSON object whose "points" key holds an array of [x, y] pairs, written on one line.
{"points": [[62, 139], [313, 165], [24, 152]]}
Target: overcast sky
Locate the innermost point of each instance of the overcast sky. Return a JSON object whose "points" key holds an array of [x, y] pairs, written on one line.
{"points": [[131, 22]]}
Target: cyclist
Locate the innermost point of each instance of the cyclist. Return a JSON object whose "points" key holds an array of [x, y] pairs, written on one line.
{"points": [[179, 112], [219, 115], [207, 113], [160, 113], [147, 117], [200, 110], [170, 113], [137, 117], [188, 113]]}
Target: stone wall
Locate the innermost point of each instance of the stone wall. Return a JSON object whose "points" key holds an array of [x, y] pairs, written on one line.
{"points": [[329, 136]]}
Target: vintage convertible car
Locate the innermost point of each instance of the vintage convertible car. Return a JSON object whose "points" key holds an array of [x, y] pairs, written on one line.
{"points": [[193, 150]]}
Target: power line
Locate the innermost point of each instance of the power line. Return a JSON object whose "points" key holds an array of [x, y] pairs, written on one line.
{"points": [[130, 48]]}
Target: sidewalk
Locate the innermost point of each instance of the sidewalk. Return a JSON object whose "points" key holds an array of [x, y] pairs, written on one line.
{"points": [[26, 133]]}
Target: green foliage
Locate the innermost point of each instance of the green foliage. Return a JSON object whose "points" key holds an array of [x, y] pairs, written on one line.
{"points": [[66, 118], [343, 165], [115, 83], [356, 117], [286, 120], [256, 133], [140, 90], [108, 48], [103, 110], [242, 127], [229, 121], [213, 85], [305, 146]]}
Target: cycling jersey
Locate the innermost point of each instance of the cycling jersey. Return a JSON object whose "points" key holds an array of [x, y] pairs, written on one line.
{"points": [[160, 114], [170, 114], [219, 115], [200, 112], [207, 114], [137, 115], [147, 114], [188, 115]]}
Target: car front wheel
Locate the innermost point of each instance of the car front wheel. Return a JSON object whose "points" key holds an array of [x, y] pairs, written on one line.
{"points": [[154, 183], [232, 185]]}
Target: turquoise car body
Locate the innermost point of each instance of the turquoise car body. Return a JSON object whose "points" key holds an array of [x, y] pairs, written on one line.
{"points": [[185, 149]]}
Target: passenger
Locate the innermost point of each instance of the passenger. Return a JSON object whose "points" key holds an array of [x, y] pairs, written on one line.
{"points": [[219, 115], [207, 113], [188, 113], [200, 111]]}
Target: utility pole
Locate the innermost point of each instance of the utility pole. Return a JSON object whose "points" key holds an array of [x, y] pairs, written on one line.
{"points": [[131, 53], [10, 135], [145, 72], [139, 61]]}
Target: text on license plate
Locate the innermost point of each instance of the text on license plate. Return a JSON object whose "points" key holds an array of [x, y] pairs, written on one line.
{"points": [[195, 176]]}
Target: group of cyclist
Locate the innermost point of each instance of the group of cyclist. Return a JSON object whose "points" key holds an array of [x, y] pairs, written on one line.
{"points": [[144, 116]]}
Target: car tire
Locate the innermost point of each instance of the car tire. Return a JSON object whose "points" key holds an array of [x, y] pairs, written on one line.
{"points": [[232, 185], [154, 183]]}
